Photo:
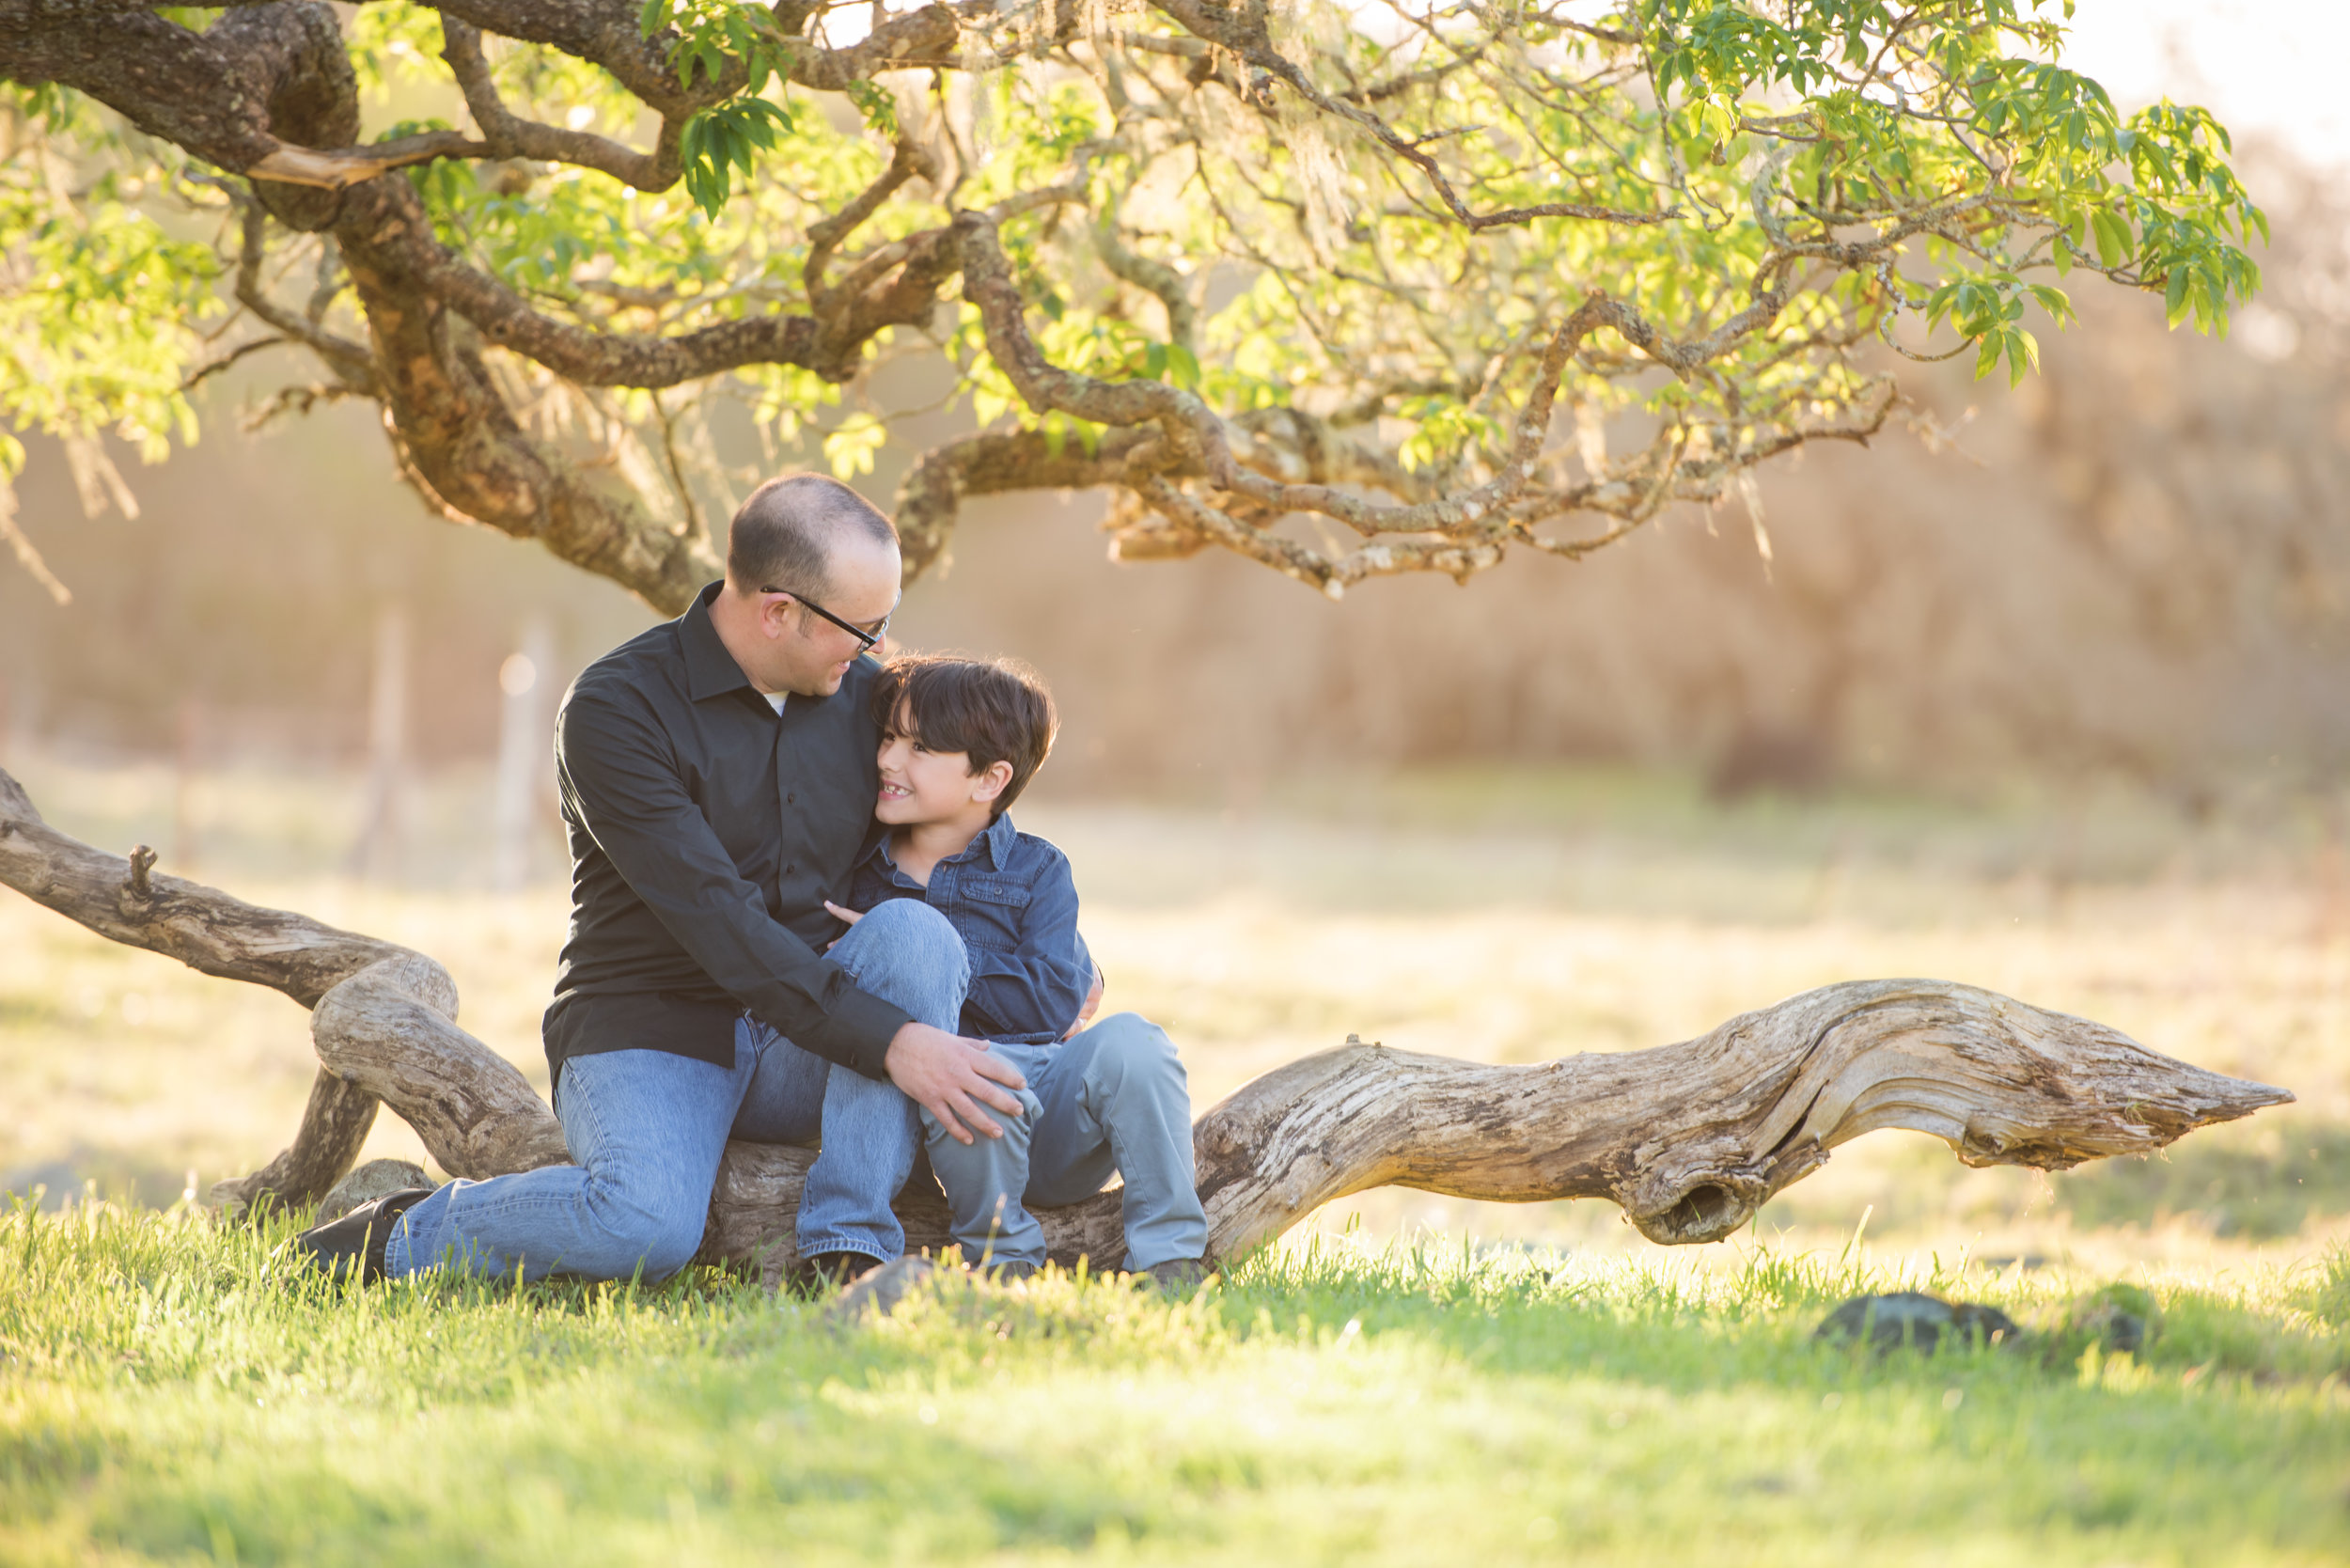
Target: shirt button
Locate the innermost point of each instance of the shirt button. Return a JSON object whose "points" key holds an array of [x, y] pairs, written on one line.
{"points": [[789, 799], [789, 869]]}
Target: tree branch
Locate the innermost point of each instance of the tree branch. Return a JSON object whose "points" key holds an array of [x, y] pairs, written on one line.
{"points": [[930, 498], [505, 134], [350, 361], [824, 236]]}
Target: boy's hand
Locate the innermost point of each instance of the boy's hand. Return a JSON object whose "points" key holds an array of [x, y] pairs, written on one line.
{"points": [[946, 1074], [840, 914], [1093, 1005]]}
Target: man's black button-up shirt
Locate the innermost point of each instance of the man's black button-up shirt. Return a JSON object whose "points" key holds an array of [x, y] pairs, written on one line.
{"points": [[707, 830]]}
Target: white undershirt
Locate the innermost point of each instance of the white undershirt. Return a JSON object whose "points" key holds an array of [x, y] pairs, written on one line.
{"points": [[776, 700]]}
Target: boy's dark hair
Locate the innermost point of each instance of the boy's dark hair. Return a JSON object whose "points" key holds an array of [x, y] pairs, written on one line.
{"points": [[996, 710]]}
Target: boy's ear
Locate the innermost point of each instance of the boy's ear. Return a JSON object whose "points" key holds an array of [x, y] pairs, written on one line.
{"points": [[990, 783]]}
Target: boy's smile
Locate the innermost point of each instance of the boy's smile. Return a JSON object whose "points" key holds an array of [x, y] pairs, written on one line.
{"points": [[920, 787]]}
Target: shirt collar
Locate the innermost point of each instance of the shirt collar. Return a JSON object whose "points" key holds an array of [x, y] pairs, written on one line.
{"points": [[998, 839], [710, 670]]}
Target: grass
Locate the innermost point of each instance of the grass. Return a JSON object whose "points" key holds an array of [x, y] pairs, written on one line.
{"points": [[169, 1394]]}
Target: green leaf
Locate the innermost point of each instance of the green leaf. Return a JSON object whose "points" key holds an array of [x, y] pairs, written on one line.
{"points": [[2113, 238], [1987, 358], [2053, 301], [2023, 351]]}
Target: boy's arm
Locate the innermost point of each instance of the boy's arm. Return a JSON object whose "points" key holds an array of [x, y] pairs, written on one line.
{"points": [[1039, 987], [1092, 1001]]}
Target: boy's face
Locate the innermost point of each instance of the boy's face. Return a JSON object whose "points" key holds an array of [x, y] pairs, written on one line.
{"points": [[920, 786]]}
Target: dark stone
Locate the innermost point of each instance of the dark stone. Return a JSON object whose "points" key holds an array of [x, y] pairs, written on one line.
{"points": [[1916, 1319], [879, 1293], [2116, 1328]]}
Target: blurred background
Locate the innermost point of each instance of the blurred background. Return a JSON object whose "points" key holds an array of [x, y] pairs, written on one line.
{"points": [[2057, 702]]}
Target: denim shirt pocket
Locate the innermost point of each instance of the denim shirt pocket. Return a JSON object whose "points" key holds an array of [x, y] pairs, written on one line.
{"points": [[995, 906]]}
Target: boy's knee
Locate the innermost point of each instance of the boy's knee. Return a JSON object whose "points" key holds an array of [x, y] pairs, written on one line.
{"points": [[908, 927], [1017, 1129], [1131, 1053]]}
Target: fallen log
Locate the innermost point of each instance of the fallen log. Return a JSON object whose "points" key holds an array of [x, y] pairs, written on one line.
{"points": [[1690, 1139]]}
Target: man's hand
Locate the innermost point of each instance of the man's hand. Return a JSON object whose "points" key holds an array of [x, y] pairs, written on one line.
{"points": [[952, 1077], [1093, 1005]]}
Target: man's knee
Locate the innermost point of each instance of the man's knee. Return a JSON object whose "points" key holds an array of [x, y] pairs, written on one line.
{"points": [[651, 1238]]}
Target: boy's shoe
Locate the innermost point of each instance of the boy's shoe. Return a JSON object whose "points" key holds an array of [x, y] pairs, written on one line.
{"points": [[1007, 1274], [826, 1271], [1178, 1274], [352, 1247]]}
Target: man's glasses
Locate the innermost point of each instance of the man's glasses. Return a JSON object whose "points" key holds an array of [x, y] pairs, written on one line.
{"points": [[865, 639]]}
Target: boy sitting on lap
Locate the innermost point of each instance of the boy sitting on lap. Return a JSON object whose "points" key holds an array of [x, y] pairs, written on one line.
{"points": [[960, 739]]}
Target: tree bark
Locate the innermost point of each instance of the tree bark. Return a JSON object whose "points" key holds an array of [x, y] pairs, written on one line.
{"points": [[1689, 1139]]}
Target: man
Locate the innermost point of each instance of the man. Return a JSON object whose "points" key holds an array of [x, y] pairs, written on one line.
{"points": [[719, 779]]}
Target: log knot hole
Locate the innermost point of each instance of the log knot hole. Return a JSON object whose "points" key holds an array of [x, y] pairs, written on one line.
{"points": [[1684, 1205]]}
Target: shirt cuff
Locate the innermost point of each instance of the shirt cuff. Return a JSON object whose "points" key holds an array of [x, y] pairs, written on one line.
{"points": [[856, 1033]]}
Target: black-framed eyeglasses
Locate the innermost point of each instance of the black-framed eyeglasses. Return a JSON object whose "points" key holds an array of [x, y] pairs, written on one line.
{"points": [[865, 639]]}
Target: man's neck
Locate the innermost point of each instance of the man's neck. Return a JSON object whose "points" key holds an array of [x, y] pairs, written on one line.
{"points": [[918, 848], [735, 620]]}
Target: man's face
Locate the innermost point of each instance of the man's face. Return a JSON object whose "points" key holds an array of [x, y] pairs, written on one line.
{"points": [[811, 654]]}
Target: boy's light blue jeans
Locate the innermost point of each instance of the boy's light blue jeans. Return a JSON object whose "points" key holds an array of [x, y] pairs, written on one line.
{"points": [[1111, 1098], [647, 1129]]}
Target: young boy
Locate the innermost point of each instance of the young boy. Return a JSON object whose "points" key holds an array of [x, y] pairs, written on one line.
{"points": [[961, 738]]}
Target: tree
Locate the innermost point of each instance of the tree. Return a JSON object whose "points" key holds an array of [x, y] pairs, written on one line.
{"points": [[1308, 284], [1263, 274]]}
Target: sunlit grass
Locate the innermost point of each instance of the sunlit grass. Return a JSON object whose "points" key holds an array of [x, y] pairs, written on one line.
{"points": [[168, 1392]]}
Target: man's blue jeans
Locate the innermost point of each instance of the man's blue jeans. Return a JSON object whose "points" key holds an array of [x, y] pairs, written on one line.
{"points": [[1110, 1098], [647, 1129]]}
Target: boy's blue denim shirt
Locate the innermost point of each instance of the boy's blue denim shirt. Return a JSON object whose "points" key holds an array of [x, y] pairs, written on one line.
{"points": [[1011, 897]]}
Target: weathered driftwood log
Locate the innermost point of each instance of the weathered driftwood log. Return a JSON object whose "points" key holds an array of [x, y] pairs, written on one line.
{"points": [[1690, 1139]]}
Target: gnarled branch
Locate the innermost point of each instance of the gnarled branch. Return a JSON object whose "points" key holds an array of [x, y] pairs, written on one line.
{"points": [[507, 134]]}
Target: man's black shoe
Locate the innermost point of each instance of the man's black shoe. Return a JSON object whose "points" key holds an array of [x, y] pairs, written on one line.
{"points": [[352, 1247], [826, 1271]]}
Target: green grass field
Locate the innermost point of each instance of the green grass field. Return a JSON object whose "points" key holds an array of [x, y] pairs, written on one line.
{"points": [[1409, 1379], [167, 1395]]}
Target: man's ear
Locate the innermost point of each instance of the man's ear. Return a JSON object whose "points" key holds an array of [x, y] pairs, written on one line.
{"points": [[992, 782], [774, 613]]}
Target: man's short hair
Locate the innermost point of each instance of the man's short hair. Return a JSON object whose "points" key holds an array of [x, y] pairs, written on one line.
{"points": [[996, 710], [785, 535]]}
